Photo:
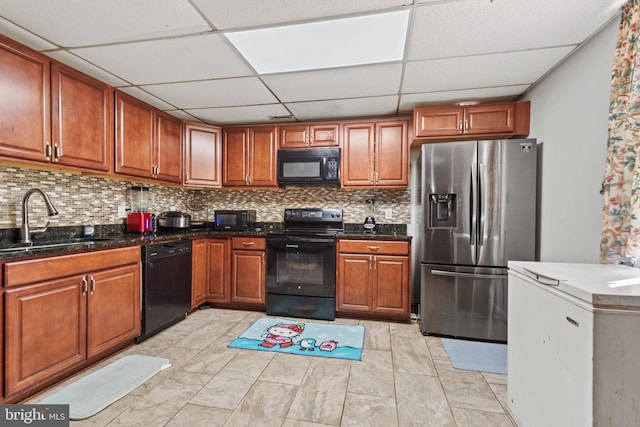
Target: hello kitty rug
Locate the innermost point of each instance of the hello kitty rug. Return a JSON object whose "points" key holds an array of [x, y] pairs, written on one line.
{"points": [[302, 337]]}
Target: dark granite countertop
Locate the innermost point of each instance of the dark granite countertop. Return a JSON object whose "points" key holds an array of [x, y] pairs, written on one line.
{"points": [[60, 240]]}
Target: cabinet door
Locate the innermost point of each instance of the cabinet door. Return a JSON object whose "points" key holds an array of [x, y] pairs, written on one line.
{"points": [[203, 148], [391, 285], [235, 157], [392, 155], [489, 119], [218, 270], [446, 121], [358, 155], [45, 331], [113, 308], [262, 157], [353, 286], [199, 269], [324, 135], [294, 136], [248, 277], [168, 148], [135, 123], [25, 130], [82, 120]]}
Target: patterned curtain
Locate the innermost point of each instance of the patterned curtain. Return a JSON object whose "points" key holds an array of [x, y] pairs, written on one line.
{"points": [[621, 186]]}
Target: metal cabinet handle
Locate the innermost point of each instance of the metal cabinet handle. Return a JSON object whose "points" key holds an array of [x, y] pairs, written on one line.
{"points": [[85, 286], [460, 126], [262, 258], [93, 284], [466, 125], [370, 262], [47, 150], [373, 248], [248, 243], [56, 153]]}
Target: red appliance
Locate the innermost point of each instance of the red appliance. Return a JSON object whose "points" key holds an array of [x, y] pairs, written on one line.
{"points": [[140, 222]]}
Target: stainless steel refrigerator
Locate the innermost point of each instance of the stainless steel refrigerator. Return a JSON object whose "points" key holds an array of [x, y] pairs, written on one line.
{"points": [[478, 211]]}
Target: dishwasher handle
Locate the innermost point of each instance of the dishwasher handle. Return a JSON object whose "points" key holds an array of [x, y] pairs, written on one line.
{"points": [[467, 275]]}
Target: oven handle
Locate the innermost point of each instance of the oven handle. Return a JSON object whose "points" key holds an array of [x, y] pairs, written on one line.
{"points": [[296, 242]]}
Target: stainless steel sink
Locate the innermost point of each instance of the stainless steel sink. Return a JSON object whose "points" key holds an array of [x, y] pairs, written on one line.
{"points": [[26, 247]]}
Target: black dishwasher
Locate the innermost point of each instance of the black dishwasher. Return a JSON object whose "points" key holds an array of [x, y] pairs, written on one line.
{"points": [[166, 285]]}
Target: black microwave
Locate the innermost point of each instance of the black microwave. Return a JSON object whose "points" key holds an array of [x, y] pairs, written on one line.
{"points": [[309, 166], [234, 220]]}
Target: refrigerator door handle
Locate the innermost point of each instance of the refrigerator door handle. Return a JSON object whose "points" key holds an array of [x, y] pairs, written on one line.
{"points": [[467, 275], [474, 209], [481, 195]]}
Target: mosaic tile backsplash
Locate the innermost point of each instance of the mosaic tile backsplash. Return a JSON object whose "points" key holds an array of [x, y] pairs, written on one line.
{"points": [[82, 199]]}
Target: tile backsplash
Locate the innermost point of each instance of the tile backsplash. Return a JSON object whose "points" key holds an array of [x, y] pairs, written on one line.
{"points": [[81, 198]]}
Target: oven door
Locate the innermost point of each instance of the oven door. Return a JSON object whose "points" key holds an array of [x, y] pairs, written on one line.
{"points": [[301, 266]]}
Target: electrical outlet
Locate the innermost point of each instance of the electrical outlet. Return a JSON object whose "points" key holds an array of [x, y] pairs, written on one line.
{"points": [[388, 213], [122, 211]]}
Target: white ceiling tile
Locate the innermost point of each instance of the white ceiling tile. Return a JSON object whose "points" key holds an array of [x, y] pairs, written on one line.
{"points": [[337, 108], [25, 37], [369, 39], [145, 97], [240, 115], [226, 14], [89, 22], [214, 93], [442, 30], [495, 94], [370, 80], [164, 61], [501, 69], [87, 68], [182, 115]]}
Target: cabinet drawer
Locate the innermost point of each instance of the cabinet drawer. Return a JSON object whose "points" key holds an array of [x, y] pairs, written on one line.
{"points": [[387, 247], [35, 270], [248, 243]]}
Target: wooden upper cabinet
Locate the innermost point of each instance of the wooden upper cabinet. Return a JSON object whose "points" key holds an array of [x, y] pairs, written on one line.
{"points": [[309, 135], [203, 155], [148, 142], [168, 148], [503, 120], [375, 154], [82, 120], [249, 157], [25, 130]]}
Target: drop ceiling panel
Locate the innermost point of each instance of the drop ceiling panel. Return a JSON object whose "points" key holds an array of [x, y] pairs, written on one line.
{"points": [[482, 71], [214, 93], [83, 23], [471, 27], [20, 35], [371, 80], [87, 68], [494, 94], [240, 115], [226, 14], [342, 108], [146, 97], [172, 60]]}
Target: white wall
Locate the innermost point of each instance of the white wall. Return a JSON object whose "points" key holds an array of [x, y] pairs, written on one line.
{"points": [[569, 117]]}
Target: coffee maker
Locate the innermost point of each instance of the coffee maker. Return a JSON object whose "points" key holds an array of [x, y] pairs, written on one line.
{"points": [[370, 211], [140, 220]]}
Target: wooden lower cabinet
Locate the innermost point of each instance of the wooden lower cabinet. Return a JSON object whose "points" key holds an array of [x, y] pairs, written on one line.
{"points": [[56, 322], [248, 270], [373, 279], [210, 271]]}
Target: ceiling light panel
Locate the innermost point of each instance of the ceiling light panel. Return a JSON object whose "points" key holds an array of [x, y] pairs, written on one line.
{"points": [[327, 44]]}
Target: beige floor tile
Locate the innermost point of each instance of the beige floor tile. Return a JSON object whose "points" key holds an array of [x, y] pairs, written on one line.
{"points": [[373, 375], [436, 348], [297, 423], [475, 418], [266, 404], [495, 378], [412, 356], [370, 411], [421, 401], [108, 414], [500, 390], [210, 360], [376, 335], [321, 395], [286, 369], [203, 337], [471, 395], [446, 370], [196, 415], [407, 330]]}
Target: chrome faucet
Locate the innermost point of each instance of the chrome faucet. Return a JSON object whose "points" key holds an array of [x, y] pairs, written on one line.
{"points": [[25, 232]]}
